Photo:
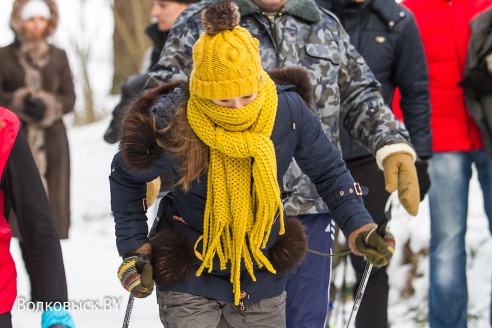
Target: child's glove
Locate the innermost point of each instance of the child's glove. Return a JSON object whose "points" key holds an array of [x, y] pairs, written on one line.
{"points": [[135, 274], [376, 249], [56, 317]]}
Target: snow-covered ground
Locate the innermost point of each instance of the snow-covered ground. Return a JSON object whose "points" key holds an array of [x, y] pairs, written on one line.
{"points": [[90, 253]]}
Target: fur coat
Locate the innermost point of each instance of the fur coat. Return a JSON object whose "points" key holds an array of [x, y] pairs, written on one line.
{"points": [[39, 70]]}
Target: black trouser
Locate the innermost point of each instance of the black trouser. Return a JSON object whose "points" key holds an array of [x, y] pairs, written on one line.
{"points": [[373, 310], [6, 320]]}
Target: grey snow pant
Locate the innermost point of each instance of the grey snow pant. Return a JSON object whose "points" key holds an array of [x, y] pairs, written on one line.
{"points": [[181, 310]]}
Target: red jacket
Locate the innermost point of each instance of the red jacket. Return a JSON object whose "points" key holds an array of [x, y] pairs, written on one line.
{"points": [[445, 33], [22, 191], [9, 127]]}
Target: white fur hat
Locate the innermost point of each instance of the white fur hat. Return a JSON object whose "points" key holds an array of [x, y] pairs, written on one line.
{"points": [[35, 8]]}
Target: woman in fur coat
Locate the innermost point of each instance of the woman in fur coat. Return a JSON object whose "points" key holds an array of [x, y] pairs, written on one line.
{"points": [[36, 84]]}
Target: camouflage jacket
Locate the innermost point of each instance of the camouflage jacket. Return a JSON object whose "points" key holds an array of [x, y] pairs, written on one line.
{"points": [[301, 34]]}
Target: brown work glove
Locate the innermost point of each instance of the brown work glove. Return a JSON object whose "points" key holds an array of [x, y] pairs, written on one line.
{"points": [[376, 249], [397, 162], [153, 188]]}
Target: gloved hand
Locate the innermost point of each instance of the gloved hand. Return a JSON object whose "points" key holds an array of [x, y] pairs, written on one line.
{"points": [[423, 176], [400, 173], [153, 188], [376, 249], [135, 274], [34, 108], [56, 317]]}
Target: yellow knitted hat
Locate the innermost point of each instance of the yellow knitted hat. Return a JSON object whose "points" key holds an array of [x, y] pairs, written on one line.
{"points": [[226, 57]]}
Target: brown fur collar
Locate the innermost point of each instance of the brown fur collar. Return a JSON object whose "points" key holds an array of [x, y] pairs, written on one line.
{"points": [[16, 20], [138, 144]]}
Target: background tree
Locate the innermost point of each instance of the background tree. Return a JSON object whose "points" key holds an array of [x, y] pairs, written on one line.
{"points": [[131, 17]]}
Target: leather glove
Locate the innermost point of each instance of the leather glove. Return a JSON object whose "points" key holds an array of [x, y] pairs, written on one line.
{"points": [[400, 173], [56, 317], [34, 108], [423, 176], [153, 188], [376, 249], [135, 274]]}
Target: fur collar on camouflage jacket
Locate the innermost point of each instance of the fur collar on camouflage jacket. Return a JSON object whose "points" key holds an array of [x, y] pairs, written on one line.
{"points": [[305, 9]]}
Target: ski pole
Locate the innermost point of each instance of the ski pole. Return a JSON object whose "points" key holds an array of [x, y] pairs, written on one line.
{"points": [[381, 229], [131, 298]]}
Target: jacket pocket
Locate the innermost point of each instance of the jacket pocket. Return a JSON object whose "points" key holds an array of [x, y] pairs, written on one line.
{"points": [[324, 52]]}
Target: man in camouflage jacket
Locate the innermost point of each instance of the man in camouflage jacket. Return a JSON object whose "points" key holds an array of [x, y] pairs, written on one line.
{"points": [[345, 94]]}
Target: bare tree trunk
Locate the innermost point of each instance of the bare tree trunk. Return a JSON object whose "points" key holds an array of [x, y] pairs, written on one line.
{"points": [[83, 51], [129, 41]]}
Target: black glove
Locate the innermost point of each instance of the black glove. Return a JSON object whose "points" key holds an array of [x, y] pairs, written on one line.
{"points": [[34, 108], [111, 135], [423, 177]]}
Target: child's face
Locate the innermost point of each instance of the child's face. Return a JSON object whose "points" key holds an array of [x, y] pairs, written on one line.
{"points": [[236, 102]]}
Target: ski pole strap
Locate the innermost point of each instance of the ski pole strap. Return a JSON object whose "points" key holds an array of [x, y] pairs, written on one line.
{"points": [[329, 255]]}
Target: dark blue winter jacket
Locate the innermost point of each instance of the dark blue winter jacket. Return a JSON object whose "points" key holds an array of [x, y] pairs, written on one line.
{"points": [[297, 133]]}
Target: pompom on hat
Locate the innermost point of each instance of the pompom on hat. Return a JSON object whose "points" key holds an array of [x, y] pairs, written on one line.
{"points": [[226, 57], [35, 8]]}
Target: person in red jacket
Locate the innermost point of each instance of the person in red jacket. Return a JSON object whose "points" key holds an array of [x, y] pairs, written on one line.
{"points": [[22, 191], [457, 145]]}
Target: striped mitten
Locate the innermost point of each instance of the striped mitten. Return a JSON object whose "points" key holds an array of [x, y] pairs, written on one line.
{"points": [[135, 274]]}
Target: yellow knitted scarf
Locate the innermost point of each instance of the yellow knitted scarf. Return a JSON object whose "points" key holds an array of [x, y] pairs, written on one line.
{"points": [[243, 195]]}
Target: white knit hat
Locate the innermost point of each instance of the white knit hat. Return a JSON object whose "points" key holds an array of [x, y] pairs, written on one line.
{"points": [[35, 8]]}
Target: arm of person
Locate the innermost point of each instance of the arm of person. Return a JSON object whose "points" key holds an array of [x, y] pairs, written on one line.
{"points": [[321, 161], [363, 113], [365, 116], [27, 197], [61, 101], [66, 91], [128, 201], [414, 87]]}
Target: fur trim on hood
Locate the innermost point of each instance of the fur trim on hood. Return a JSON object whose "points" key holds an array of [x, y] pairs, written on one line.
{"points": [[138, 145], [16, 20], [139, 138]]}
